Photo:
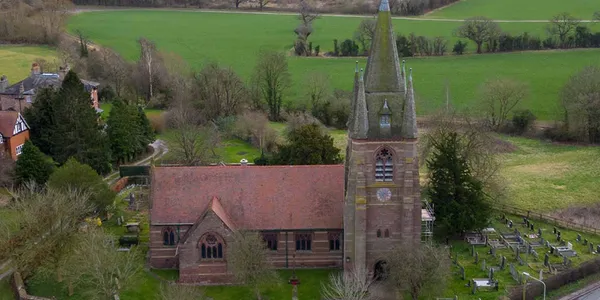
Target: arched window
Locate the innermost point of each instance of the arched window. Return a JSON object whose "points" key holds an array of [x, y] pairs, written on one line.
{"points": [[386, 233], [168, 237], [211, 247], [378, 233], [384, 166], [304, 241], [335, 243]]}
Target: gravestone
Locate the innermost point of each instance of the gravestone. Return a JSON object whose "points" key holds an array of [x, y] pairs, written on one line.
{"points": [[547, 244], [598, 249], [503, 263], [472, 250], [483, 265], [542, 241], [546, 259], [462, 272], [565, 260], [585, 241], [558, 233], [493, 251], [569, 246], [540, 232], [552, 249], [541, 275], [514, 273], [491, 274], [510, 224], [591, 247], [119, 221], [476, 257], [456, 258], [132, 205], [558, 237], [529, 249], [554, 230], [518, 253], [578, 238], [531, 227], [525, 221]]}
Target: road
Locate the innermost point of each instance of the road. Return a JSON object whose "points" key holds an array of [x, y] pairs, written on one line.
{"points": [[590, 292]]}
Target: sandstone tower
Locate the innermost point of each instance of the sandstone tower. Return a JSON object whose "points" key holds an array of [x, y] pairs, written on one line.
{"points": [[382, 193]]}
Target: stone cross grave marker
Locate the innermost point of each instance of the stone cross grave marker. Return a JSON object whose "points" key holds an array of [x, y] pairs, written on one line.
{"points": [[546, 259], [503, 263]]}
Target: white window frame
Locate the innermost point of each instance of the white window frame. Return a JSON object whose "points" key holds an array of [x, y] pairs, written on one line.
{"points": [[19, 149], [20, 125], [1, 139]]}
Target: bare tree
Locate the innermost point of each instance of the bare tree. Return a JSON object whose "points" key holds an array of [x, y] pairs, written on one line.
{"points": [[254, 126], [365, 32], [562, 26], [179, 292], [272, 78], [581, 103], [262, 3], [348, 285], [96, 267], [221, 92], [307, 12], [238, 2], [479, 30], [148, 52], [317, 87], [44, 222], [478, 146], [499, 97], [117, 71], [596, 16], [191, 144], [249, 263], [422, 269]]}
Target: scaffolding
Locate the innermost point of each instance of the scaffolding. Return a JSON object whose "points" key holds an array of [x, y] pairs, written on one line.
{"points": [[427, 220]]}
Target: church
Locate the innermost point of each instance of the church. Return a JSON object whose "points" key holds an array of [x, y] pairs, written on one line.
{"points": [[322, 216]]}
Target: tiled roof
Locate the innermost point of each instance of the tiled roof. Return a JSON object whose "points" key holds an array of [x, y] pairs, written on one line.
{"points": [[33, 82], [252, 197], [8, 119]]}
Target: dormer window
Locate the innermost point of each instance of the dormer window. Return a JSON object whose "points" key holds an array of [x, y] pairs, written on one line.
{"points": [[385, 116], [384, 121]]}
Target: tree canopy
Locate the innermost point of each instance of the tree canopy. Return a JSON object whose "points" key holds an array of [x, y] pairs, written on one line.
{"points": [[33, 165], [308, 145], [128, 130], [457, 195]]}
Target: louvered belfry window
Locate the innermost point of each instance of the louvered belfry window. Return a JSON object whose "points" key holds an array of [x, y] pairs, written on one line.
{"points": [[384, 166]]}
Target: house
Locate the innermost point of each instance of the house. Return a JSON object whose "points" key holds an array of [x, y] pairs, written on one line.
{"points": [[21, 95], [14, 131], [339, 216]]}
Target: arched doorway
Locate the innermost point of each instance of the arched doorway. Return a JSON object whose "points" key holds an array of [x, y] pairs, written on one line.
{"points": [[381, 270]]}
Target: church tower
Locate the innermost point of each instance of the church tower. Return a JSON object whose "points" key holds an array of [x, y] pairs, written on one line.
{"points": [[382, 193]]}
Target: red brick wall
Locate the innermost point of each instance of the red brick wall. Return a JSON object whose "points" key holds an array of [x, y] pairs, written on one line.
{"points": [[15, 141]]}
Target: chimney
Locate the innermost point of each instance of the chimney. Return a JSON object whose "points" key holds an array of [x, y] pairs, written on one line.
{"points": [[62, 71], [244, 162], [94, 96], [35, 69], [3, 83]]}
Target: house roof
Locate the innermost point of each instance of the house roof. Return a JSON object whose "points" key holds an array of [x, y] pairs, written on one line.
{"points": [[8, 119], [255, 197], [33, 82]]}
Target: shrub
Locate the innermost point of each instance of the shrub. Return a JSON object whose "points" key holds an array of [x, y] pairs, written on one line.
{"points": [[128, 240], [349, 48], [317, 50], [300, 47], [157, 122], [403, 45], [106, 94], [459, 48], [336, 48], [522, 120], [440, 45], [559, 133]]}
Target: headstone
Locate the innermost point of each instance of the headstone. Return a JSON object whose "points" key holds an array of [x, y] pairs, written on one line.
{"points": [[119, 221], [462, 272], [514, 273], [558, 233], [542, 241], [503, 263], [591, 247], [525, 221], [585, 241], [529, 249], [476, 257], [510, 224], [554, 230], [493, 251], [547, 244], [578, 238], [518, 253], [483, 265], [558, 237], [552, 249], [540, 232], [456, 258], [598, 249], [491, 274], [472, 250], [546, 259], [531, 227], [569, 246], [565, 260], [541, 275]]}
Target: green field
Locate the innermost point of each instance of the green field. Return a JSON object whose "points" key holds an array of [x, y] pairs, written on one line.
{"points": [[15, 61], [235, 39], [517, 9]]}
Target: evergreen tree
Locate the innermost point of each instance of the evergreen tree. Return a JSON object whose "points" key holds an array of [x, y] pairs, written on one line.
{"points": [[458, 196], [75, 131], [145, 129], [75, 175], [122, 130], [40, 119], [33, 165], [308, 145]]}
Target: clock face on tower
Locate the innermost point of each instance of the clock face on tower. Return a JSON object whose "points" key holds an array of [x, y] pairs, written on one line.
{"points": [[384, 194]]}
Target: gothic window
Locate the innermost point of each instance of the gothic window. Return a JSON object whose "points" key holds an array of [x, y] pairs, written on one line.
{"points": [[335, 242], [378, 233], [386, 233], [270, 241], [303, 241], [168, 237], [211, 247], [384, 166]]}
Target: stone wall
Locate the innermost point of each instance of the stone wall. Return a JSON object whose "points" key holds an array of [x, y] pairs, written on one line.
{"points": [[19, 289]]}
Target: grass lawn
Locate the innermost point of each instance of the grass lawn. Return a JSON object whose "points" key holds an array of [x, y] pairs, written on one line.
{"points": [[6, 292], [15, 61], [517, 9], [234, 43], [547, 177]]}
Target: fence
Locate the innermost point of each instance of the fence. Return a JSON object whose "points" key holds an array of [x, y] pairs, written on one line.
{"points": [[545, 218]]}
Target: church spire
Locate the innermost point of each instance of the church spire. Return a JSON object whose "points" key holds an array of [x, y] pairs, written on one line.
{"points": [[354, 96], [360, 122], [403, 75], [383, 67], [409, 124]]}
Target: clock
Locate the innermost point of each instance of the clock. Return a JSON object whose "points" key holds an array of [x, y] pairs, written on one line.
{"points": [[384, 194]]}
